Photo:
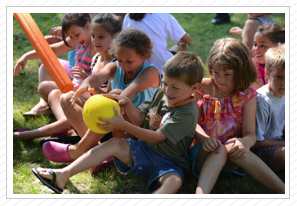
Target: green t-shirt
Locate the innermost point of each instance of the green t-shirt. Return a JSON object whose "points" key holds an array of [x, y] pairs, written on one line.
{"points": [[178, 124]]}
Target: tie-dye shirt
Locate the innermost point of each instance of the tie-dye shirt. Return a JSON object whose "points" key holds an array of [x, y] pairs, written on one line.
{"points": [[222, 117]]}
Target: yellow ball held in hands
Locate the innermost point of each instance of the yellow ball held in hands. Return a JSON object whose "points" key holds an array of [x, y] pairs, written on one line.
{"points": [[98, 106]]}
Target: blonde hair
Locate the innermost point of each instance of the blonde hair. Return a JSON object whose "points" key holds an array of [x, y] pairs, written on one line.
{"points": [[185, 66], [230, 53], [275, 58]]}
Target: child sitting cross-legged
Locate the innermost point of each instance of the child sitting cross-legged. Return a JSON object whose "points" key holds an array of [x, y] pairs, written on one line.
{"points": [[168, 123]]}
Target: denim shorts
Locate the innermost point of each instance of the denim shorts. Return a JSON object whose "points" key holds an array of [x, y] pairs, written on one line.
{"points": [[193, 156], [148, 163]]}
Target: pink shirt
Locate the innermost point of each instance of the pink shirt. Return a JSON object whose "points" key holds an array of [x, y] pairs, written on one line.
{"points": [[261, 71], [222, 117]]}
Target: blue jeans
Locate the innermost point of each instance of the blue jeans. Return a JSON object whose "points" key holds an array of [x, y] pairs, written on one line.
{"points": [[148, 163]]}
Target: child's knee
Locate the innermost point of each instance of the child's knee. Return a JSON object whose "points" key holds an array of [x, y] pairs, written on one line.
{"points": [[65, 98], [117, 144], [176, 181], [54, 96]]}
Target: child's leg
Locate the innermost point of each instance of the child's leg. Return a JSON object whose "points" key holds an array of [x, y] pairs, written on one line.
{"points": [[210, 165], [89, 140], [73, 113], [258, 170], [60, 126], [114, 147], [54, 102], [170, 183], [279, 157]]}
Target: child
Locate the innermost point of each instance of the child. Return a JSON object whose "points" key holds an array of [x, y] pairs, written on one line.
{"points": [[168, 119], [103, 29], [131, 76], [267, 36], [270, 114], [251, 26], [76, 26], [159, 27], [226, 129]]}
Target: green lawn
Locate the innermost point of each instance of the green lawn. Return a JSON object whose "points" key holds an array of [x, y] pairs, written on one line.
{"points": [[28, 154]]}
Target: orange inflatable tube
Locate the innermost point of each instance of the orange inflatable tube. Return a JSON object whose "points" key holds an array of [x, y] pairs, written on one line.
{"points": [[44, 51]]}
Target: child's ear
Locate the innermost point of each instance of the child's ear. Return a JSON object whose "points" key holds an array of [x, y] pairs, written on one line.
{"points": [[196, 87]]}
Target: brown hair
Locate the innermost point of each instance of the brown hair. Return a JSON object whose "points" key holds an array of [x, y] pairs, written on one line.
{"points": [[70, 19], [111, 23], [230, 53], [185, 66], [134, 39], [274, 32]]}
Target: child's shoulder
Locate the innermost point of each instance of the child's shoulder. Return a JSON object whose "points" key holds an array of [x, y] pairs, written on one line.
{"points": [[207, 86]]}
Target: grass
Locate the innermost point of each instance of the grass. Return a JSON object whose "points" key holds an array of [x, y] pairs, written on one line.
{"points": [[28, 154]]}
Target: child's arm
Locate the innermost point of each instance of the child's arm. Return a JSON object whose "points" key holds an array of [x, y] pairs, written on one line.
{"points": [[148, 78], [58, 48], [268, 143], [241, 146], [186, 39], [134, 114], [93, 82], [118, 122], [209, 144], [249, 31]]}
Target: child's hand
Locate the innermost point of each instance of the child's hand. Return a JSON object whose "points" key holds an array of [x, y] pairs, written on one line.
{"points": [[20, 64], [236, 31], [56, 31], [79, 73], [114, 123], [210, 144], [84, 87], [122, 100], [239, 149]]}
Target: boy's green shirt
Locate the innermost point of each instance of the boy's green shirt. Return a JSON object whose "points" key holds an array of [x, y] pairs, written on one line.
{"points": [[178, 124]]}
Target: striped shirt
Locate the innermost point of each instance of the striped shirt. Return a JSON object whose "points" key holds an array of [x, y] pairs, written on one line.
{"points": [[83, 57]]}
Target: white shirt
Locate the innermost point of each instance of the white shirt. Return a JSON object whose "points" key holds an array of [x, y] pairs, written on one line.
{"points": [[159, 27]]}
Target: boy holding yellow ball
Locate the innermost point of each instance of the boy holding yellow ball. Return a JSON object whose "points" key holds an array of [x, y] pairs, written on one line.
{"points": [[169, 120]]}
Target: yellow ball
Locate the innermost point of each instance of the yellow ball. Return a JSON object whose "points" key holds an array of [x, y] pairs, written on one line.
{"points": [[98, 106]]}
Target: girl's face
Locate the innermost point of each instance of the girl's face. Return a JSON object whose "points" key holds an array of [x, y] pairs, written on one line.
{"points": [[224, 79], [130, 61], [276, 82], [100, 38], [79, 34], [260, 46]]}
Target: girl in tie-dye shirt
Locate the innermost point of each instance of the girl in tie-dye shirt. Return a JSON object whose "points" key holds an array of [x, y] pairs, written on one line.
{"points": [[226, 120]]}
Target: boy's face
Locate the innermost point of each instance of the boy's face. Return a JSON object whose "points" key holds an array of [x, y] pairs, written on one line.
{"points": [[276, 82], [175, 90]]}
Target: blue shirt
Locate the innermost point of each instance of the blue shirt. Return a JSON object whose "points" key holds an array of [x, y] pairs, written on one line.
{"points": [[118, 83]]}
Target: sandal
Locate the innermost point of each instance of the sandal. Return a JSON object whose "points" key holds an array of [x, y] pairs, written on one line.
{"points": [[45, 111], [51, 184]]}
